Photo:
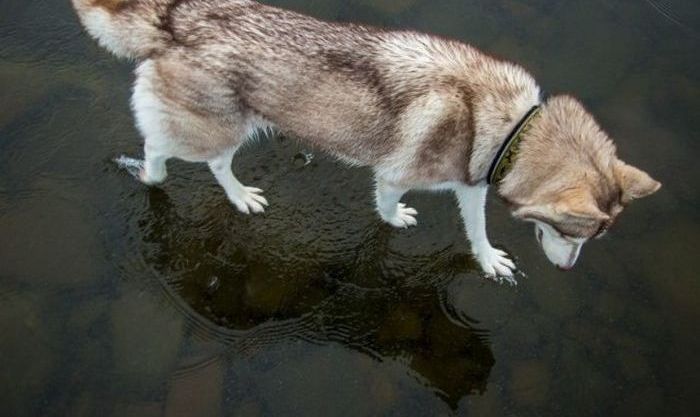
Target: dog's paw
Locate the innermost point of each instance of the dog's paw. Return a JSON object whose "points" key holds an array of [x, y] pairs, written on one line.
{"points": [[131, 165], [496, 265], [403, 217], [249, 200], [150, 178], [137, 169]]}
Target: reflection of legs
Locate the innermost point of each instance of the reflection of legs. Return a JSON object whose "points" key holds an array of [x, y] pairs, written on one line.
{"points": [[246, 199], [389, 208], [472, 203]]}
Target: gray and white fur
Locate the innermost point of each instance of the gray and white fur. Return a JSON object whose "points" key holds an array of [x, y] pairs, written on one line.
{"points": [[423, 111]]}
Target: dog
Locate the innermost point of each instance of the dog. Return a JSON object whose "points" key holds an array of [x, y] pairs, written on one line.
{"points": [[424, 112]]}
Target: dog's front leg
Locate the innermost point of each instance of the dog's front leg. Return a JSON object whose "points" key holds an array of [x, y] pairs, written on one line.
{"points": [[472, 204]]}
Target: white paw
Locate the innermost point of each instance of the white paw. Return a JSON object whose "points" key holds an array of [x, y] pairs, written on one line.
{"points": [[496, 265], [249, 200], [131, 165], [403, 217], [147, 179], [137, 169]]}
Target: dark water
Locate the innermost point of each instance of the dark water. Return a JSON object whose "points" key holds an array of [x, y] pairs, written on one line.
{"points": [[118, 300]]}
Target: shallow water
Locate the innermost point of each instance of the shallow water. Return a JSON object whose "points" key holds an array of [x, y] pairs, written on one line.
{"points": [[120, 300]]}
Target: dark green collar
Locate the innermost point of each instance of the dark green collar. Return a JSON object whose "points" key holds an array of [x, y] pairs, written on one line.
{"points": [[506, 156]]}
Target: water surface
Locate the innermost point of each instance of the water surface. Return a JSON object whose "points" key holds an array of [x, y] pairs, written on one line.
{"points": [[120, 300]]}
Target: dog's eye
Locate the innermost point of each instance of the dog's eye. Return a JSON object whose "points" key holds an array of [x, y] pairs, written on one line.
{"points": [[561, 234], [602, 230], [571, 239], [567, 237]]}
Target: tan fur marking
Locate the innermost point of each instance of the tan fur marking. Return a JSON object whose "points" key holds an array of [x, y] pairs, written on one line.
{"points": [[114, 6]]}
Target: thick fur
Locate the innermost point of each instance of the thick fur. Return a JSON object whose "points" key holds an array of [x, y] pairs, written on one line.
{"points": [[422, 111]]}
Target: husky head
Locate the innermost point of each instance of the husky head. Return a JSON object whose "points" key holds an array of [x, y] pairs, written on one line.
{"points": [[568, 181]]}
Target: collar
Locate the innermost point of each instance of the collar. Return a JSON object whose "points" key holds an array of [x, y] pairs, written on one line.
{"points": [[506, 156]]}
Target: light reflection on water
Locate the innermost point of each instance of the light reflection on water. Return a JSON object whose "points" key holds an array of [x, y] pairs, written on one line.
{"points": [[107, 304]]}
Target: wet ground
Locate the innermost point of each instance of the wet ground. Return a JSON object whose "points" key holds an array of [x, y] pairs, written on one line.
{"points": [[119, 300]]}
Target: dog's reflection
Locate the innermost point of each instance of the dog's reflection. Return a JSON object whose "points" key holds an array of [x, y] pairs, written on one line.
{"points": [[365, 296]]}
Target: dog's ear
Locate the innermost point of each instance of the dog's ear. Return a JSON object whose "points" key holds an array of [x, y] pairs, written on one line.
{"points": [[634, 183], [572, 206]]}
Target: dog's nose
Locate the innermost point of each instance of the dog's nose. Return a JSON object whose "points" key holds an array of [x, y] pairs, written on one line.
{"points": [[565, 267]]}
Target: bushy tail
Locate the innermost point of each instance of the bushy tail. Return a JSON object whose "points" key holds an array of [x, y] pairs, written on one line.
{"points": [[127, 28]]}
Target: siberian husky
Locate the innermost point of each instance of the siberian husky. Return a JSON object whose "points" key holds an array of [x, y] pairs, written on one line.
{"points": [[423, 111]]}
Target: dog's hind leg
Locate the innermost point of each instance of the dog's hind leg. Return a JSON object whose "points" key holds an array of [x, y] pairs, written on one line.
{"points": [[151, 170], [246, 199], [154, 170], [389, 207], [152, 121]]}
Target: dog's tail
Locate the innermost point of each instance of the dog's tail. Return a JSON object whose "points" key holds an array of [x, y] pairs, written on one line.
{"points": [[127, 28]]}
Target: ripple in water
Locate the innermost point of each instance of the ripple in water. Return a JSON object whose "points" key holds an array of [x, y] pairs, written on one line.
{"points": [[254, 282]]}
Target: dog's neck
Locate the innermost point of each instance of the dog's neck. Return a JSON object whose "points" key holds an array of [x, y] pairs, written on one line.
{"points": [[508, 152], [530, 135], [495, 131]]}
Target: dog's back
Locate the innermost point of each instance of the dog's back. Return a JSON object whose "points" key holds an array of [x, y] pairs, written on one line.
{"points": [[127, 28], [346, 88]]}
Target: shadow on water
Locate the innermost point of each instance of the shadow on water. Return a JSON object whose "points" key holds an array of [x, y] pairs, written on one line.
{"points": [[367, 296]]}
